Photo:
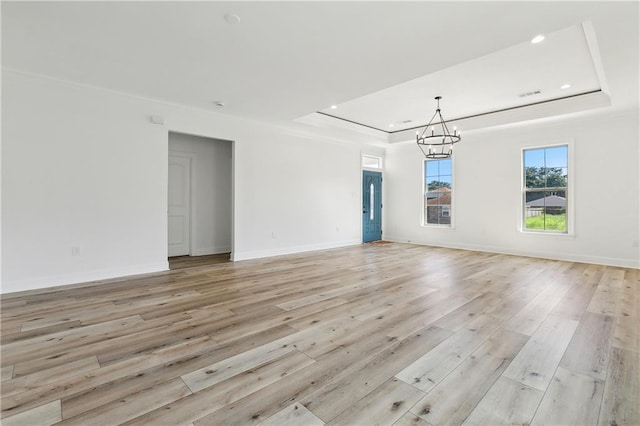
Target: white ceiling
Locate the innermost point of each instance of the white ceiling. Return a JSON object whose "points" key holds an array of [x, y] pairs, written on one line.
{"points": [[380, 62], [518, 75]]}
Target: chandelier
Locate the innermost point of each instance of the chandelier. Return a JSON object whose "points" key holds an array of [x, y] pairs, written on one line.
{"points": [[436, 141]]}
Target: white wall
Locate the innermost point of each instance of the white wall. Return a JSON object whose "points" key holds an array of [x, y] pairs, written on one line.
{"points": [[84, 167], [296, 195], [487, 170], [211, 196]]}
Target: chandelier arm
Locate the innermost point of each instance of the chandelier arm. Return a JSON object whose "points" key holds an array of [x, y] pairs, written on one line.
{"points": [[423, 153], [447, 134], [428, 124], [432, 117]]}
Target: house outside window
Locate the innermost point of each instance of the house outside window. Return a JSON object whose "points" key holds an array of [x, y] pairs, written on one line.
{"points": [[438, 191], [545, 189]]}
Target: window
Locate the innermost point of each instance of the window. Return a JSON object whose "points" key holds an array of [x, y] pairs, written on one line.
{"points": [[371, 162], [545, 183], [372, 200], [437, 192]]}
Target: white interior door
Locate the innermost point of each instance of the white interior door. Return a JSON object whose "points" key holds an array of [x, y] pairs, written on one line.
{"points": [[179, 209]]}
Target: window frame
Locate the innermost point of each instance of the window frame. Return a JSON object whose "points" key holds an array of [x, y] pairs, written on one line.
{"points": [[452, 208], [570, 209]]}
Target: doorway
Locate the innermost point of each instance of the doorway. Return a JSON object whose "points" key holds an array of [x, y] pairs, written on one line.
{"points": [[371, 206], [200, 196]]}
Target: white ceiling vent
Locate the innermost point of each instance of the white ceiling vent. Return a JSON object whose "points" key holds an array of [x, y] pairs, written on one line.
{"points": [[533, 92]]}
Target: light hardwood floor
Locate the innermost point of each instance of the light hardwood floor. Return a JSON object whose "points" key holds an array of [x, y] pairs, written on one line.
{"points": [[372, 334]]}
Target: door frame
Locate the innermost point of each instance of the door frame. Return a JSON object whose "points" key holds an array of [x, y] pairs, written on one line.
{"points": [[362, 173], [233, 190]]}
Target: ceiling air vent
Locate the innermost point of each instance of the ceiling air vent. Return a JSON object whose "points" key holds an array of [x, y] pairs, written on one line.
{"points": [[525, 94], [406, 121]]}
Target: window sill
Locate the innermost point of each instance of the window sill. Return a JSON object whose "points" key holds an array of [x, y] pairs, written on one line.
{"points": [[434, 226], [557, 234]]}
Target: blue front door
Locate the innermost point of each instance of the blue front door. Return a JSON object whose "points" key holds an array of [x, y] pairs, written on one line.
{"points": [[371, 206]]}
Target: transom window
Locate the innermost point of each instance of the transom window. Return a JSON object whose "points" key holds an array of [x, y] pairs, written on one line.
{"points": [[545, 184], [438, 191], [371, 162]]}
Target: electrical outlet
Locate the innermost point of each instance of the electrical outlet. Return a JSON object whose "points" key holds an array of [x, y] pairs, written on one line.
{"points": [[75, 251]]}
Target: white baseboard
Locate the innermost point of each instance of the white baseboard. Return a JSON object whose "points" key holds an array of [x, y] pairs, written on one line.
{"points": [[599, 260], [257, 254], [36, 283]]}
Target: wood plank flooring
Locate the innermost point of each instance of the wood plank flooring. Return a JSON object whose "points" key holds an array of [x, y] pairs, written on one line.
{"points": [[372, 334]]}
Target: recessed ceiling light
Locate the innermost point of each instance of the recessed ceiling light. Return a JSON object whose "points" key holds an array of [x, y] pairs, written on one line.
{"points": [[565, 86], [390, 125], [231, 18], [537, 39], [218, 104], [334, 106]]}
